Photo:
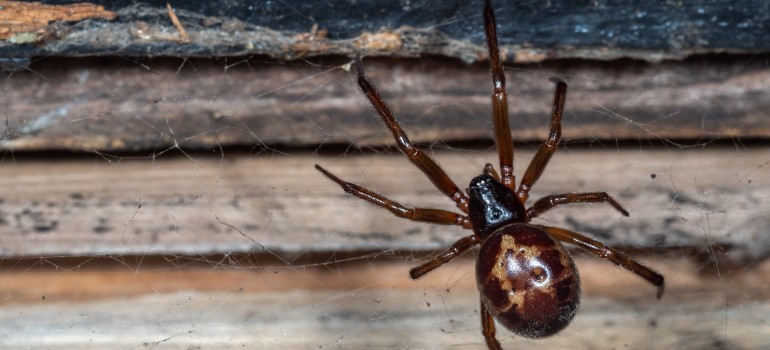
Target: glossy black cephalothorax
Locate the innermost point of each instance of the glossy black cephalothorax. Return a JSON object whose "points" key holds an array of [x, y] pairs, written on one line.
{"points": [[492, 205], [526, 279]]}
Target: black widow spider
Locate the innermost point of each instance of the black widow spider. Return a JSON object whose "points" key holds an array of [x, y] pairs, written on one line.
{"points": [[527, 280]]}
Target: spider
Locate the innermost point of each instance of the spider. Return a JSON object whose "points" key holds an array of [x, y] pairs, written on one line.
{"points": [[527, 280]]}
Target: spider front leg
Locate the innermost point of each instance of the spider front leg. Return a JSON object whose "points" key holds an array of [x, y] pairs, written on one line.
{"points": [[548, 202], [601, 250], [435, 216], [432, 170], [499, 101], [543, 155]]}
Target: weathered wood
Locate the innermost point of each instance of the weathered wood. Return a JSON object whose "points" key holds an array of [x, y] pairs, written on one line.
{"points": [[231, 202], [176, 248], [26, 22], [152, 105], [361, 303], [529, 31]]}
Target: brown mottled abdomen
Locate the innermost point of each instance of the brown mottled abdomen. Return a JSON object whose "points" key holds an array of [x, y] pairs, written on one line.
{"points": [[528, 281]]}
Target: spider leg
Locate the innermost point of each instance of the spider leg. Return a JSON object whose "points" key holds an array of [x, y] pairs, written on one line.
{"points": [[461, 246], [543, 155], [432, 170], [488, 328], [499, 101], [546, 203], [435, 216], [601, 250]]}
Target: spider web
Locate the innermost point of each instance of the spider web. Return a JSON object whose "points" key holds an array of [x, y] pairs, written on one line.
{"points": [[200, 240]]}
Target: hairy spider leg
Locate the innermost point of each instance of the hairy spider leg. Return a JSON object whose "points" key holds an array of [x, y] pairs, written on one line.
{"points": [[488, 327], [435, 216], [432, 170], [543, 155], [499, 102], [603, 251], [457, 249], [546, 203]]}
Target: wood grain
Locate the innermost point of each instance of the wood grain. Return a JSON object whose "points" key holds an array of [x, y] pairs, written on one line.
{"points": [[362, 303], [236, 203], [112, 105], [190, 242]]}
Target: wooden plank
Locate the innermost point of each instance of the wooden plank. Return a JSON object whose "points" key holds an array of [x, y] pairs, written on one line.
{"points": [[153, 105], [529, 31], [233, 202], [361, 303]]}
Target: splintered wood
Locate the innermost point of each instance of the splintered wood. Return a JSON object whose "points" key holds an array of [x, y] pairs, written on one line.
{"points": [[32, 17]]}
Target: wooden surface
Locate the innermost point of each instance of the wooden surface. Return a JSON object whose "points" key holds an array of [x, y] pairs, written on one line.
{"points": [[234, 250], [292, 29], [118, 105], [233, 202], [222, 303], [172, 203]]}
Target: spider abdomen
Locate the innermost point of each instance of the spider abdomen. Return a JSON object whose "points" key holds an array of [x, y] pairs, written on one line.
{"points": [[528, 281]]}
